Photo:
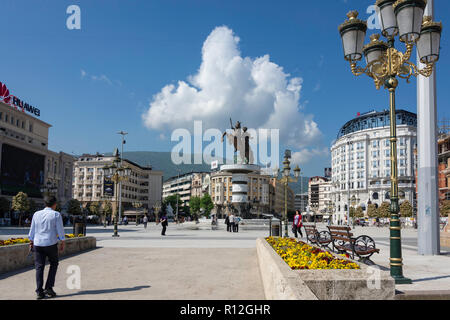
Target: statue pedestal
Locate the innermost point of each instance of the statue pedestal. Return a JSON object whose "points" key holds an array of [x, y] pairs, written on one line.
{"points": [[239, 178], [445, 235]]}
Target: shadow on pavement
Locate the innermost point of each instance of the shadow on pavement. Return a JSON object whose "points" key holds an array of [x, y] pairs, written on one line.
{"points": [[431, 278], [86, 292], [32, 267]]}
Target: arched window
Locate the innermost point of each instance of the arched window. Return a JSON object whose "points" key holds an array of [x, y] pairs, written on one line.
{"points": [[375, 196]]}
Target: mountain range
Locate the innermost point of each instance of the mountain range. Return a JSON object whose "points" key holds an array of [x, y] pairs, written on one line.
{"points": [[162, 161]]}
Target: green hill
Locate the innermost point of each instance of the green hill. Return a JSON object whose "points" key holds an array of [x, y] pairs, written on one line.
{"points": [[161, 161]]}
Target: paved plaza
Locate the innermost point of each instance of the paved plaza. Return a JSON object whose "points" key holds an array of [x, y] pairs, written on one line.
{"points": [[195, 262]]}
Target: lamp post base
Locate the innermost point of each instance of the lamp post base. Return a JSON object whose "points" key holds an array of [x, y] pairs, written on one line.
{"points": [[402, 280]]}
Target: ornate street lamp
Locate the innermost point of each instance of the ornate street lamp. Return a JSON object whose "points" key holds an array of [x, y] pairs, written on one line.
{"points": [[384, 63], [117, 174], [285, 179]]}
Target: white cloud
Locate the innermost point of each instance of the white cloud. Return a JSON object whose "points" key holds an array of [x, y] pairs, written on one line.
{"points": [[102, 77], [306, 155], [255, 91]]}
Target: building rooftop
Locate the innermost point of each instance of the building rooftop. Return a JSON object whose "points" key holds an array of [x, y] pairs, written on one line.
{"points": [[374, 119]]}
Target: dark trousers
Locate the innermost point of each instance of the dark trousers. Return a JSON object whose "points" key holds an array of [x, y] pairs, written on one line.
{"points": [[40, 254], [235, 227], [229, 227], [232, 227], [297, 229], [163, 232]]}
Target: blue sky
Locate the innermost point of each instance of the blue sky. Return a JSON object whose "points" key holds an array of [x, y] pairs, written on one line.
{"points": [[93, 82]]}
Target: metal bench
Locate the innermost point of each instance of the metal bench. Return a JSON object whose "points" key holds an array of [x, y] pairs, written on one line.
{"points": [[322, 238], [343, 241]]}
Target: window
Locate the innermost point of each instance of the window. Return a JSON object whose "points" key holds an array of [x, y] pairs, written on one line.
{"points": [[31, 127], [387, 163], [402, 152], [1, 115], [375, 164], [375, 154], [12, 120], [6, 118], [402, 172], [387, 143], [387, 152], [375, 144]]}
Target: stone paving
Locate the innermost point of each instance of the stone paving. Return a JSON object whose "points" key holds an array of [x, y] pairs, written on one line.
{"points": [[195, 262]]}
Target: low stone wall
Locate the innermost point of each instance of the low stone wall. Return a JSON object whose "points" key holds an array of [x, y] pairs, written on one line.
{"points": [[281, 282], [14, 257]]}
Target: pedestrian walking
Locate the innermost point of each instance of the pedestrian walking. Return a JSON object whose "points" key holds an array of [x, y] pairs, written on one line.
{"points": [[231, 222], [236, 223], [45, 231], [297, 224], [164, 224], [227, 222], [145, 220]]}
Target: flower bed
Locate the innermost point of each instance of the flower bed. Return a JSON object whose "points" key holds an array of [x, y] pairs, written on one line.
{"points": [[299, 255], [13, 241]]}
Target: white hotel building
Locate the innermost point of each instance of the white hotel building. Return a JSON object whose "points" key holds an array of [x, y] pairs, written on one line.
{"points": [[361, 165]]}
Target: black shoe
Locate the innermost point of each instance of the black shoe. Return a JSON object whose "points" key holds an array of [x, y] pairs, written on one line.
{"points": [[50, 293], [40, 295]]}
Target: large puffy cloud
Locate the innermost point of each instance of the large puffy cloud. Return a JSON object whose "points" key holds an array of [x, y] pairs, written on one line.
{"points": [[255, 91]]}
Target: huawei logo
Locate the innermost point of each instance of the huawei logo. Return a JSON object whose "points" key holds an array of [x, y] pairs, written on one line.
{"points": [[4, 93]]}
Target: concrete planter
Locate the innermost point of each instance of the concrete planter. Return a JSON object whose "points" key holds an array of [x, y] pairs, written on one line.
{"points": [[14, 257], [281, 282]]}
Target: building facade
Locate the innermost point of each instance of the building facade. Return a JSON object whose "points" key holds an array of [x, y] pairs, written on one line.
{"points": [[361, 166], [444, 167], [144, 185], [301, 202], [319, 195], [277, 197], [185, 185], [27, 164]]}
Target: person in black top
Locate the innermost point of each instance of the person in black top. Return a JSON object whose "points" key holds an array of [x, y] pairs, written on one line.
{"points": [[164, 224]]}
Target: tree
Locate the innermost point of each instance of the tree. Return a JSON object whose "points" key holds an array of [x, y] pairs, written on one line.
{"points": [[107, 210], [207, 204], [74, 207], [352, 212], [372, 210], [21, 204], [445, 208], [94, 208], [359, 212], [405, 209], [5, 206], [194, 206], [172, 199], [384, 210]]}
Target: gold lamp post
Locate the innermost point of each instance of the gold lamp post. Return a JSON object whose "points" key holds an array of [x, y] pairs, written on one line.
{"points": [[384, 63], [285, 179], [117, 174]]}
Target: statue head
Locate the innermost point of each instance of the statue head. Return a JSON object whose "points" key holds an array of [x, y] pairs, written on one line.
{"points": [[238, 125]]}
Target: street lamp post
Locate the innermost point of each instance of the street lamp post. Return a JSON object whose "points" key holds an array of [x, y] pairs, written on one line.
{"points": [[117, 174], [123, 134], [384, 63], [285, 179]]}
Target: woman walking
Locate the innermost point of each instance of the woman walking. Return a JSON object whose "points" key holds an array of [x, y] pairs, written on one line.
{"points": [[297, 224]]}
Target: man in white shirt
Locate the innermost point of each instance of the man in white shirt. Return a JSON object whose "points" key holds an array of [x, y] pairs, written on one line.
{"points": [[46, 229], [231, 222]]}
